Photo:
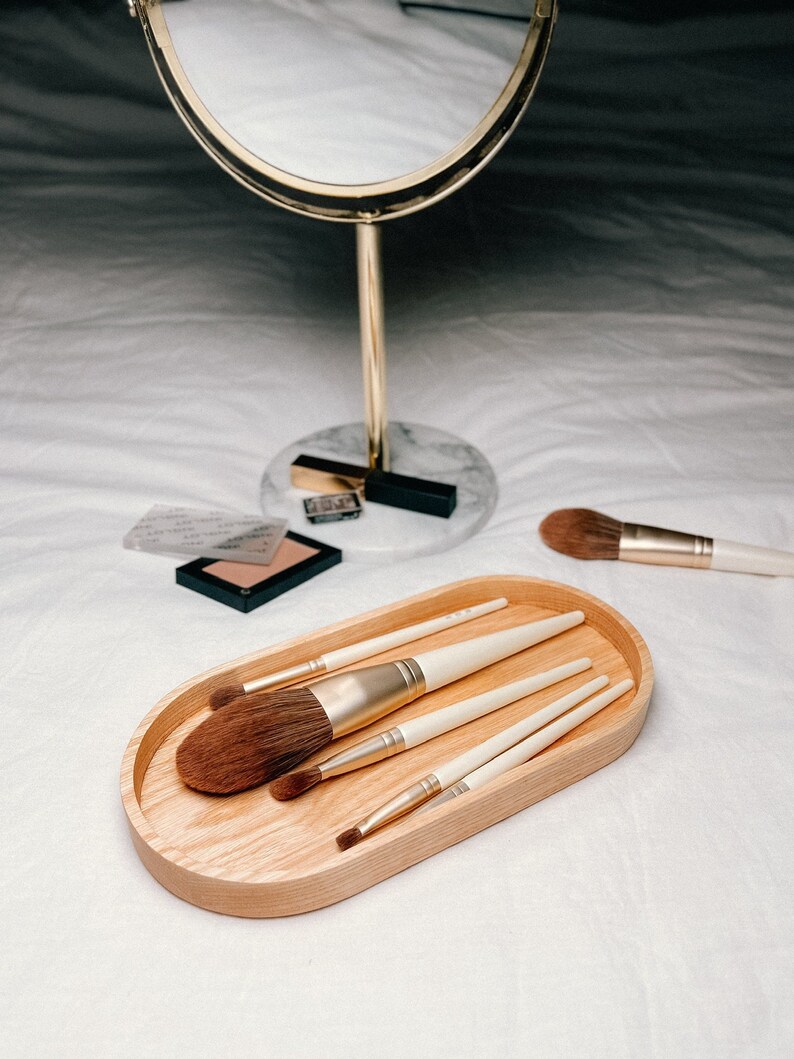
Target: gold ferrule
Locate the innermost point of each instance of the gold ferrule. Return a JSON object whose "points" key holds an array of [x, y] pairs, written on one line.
{"points": [[355, 699], [285, 676], [662, 547], [368, 752], [411, 798], [446, 796]]}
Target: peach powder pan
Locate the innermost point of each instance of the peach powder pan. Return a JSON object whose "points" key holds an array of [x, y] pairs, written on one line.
{"points": [[246, 586]]}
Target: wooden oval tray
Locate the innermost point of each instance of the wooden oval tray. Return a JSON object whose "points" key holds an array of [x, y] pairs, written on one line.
{"points": [[250, 855]]}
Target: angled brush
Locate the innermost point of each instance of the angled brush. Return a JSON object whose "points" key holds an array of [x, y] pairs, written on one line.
{"points": [[443, 776], [255, 739], [585, 534], [419, 730], [346, 656]]}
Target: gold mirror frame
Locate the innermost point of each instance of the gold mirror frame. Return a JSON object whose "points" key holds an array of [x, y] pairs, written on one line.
{"points": [[345, 202]]}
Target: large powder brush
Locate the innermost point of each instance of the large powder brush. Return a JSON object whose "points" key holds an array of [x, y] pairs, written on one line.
{"points": [[418, 730], [256, 739]]}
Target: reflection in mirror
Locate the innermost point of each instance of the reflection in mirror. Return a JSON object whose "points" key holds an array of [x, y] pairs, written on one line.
{"points": [[347, 91]]}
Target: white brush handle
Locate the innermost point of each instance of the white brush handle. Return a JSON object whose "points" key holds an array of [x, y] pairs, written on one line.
{"points": [[452, 771], [446, 664], [345, 656], [420, 729], [750, 559], [527, 748]]}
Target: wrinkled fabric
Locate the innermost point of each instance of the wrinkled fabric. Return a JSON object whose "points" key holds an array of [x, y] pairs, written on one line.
{"points": [[606, 313]]}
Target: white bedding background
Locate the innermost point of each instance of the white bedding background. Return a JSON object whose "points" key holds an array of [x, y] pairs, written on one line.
{"points": [[606, 312]]}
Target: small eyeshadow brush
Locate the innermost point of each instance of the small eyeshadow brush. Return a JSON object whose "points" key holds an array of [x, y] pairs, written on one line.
{"points": [[451, 771], [419, 730], [257, 738], [585, 534], [345, 656]]}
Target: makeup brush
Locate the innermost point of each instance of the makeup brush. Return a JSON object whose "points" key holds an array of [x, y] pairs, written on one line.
{"points": [[345, 656], [451, 771], [255, 739], [531, 746], [419, 730], [586, 534]]}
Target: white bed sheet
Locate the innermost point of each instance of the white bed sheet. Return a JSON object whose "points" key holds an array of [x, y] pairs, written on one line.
{"points": [[606, 313]]}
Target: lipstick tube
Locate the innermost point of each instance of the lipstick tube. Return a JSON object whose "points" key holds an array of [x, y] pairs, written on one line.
{"points": [[380, 487]]}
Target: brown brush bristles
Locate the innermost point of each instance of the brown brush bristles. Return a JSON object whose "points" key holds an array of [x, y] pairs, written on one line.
{"points": [[253, 740], [223, 696], [295, 783], [349, 838], [582, 533]]}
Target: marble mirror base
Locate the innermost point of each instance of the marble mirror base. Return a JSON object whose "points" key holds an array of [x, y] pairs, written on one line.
{"points": [[384, 533]]}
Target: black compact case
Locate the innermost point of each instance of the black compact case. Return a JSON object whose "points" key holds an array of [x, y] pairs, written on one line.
{"points": [[236, 584]]}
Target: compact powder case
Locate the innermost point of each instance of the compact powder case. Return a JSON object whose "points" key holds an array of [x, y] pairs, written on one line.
{"points": [[246, 586]]}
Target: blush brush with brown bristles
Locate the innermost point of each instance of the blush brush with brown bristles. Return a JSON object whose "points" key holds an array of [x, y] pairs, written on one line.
{"points": [[356, 652], [258, 738], [585, 534]]}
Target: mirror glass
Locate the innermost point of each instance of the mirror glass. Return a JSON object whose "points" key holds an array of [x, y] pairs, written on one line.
{"points": [[347, 92]]}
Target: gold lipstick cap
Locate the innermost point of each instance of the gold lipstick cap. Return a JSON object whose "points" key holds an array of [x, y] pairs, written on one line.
{"points": [[326, 476]]}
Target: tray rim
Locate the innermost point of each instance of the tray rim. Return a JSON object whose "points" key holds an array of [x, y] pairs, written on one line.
{"points": [[206, 884]]}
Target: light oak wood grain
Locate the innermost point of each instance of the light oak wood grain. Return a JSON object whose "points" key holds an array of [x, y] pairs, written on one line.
{"points": [[250, 855]]}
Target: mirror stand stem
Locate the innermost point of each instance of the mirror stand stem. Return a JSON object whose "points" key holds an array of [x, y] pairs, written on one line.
{"points": [[373, 343]]}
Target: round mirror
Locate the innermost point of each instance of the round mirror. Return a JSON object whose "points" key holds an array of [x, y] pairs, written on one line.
{"points": [[359, 110], [349, 109]]}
